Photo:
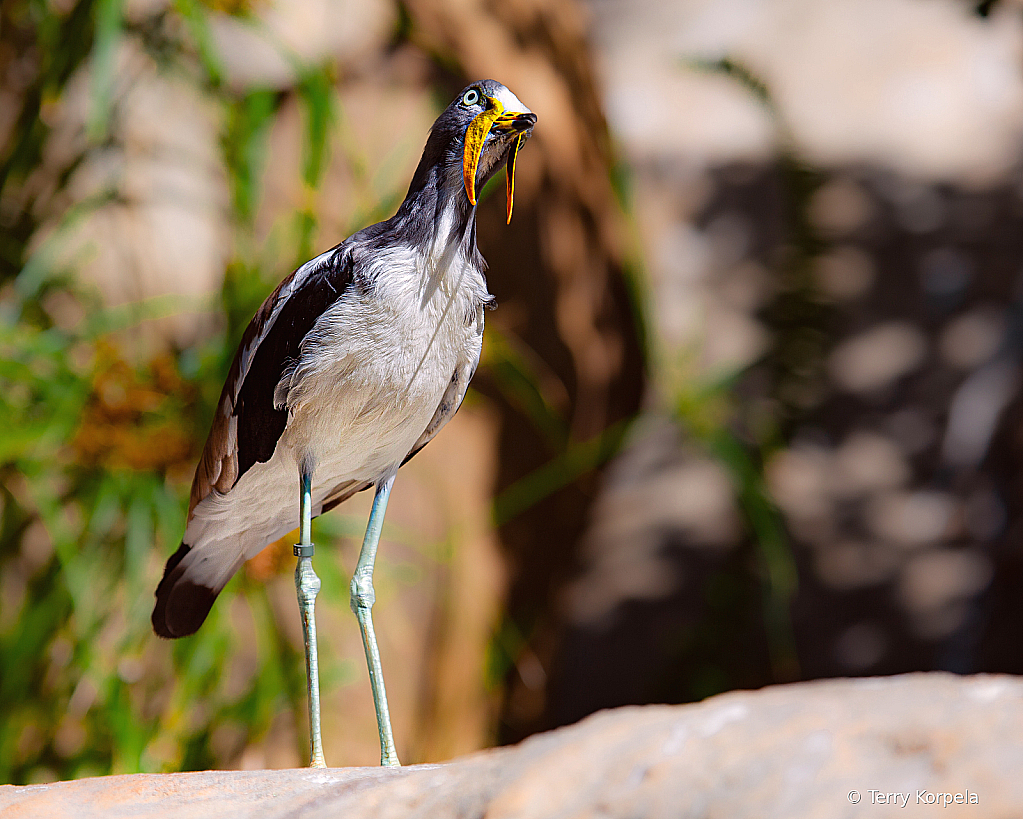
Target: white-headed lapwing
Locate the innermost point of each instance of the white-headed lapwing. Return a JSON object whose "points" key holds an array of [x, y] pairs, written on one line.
{"points": [[349, 368]]}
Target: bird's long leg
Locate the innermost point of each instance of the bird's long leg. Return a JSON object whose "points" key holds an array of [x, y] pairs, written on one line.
{"points": [[363, 598], [308, 586]]}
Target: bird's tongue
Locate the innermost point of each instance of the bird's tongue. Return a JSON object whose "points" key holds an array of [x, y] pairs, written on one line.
{"points": [[510, 170]]}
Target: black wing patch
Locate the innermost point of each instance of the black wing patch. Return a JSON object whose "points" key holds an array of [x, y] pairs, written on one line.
{"points": [[260, 423]]}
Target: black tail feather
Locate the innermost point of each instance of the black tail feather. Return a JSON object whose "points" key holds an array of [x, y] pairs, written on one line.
{"points": [[181, 605]]}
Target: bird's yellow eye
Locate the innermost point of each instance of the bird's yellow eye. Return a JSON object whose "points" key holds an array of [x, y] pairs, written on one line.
{"points": [[470, 97]]}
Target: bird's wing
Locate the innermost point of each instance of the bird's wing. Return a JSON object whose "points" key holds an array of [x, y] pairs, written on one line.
{"points": [[342, 492], [247, 425], [449, 404]]}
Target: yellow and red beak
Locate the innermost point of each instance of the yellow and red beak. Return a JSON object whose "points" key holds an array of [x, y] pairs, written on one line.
{"points": [[495, 119]]}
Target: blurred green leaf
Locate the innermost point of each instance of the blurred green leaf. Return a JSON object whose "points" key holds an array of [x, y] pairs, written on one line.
{"points": [[245, 141], [575, 461], [104, 66]]}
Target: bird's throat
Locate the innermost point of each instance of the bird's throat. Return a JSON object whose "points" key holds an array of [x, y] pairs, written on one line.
{"points": [[450, 238]]}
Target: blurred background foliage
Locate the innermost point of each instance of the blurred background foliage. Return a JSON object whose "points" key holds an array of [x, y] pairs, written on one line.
{"points": [[110, 377], [748, 412], [100, 436]]}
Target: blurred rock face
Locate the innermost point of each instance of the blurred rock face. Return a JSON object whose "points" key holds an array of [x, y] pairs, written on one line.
{"points": [[290, 35], [146, 212], [927, 88], [147, 209], [850, 250]]}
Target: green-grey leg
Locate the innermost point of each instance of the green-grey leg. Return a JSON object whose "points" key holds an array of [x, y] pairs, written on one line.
{"points": [[308, 586], [363, 598]]}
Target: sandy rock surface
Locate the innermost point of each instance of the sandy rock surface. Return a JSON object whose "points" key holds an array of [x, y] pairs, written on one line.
{"points": [[876, 747]]}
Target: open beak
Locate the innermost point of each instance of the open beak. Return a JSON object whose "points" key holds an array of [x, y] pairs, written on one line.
{"points": [[502, 122]]}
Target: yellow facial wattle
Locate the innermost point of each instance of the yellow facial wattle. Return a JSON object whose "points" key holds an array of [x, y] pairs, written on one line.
{"points": [[475, 135], [503, 122]]}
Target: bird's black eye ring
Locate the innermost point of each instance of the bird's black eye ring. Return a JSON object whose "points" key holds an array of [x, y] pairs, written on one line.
{"points": [[470, 97]]}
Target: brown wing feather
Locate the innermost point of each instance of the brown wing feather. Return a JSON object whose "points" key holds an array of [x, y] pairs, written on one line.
{"points": [[218, 465], [342, 492], [247, 424]]}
